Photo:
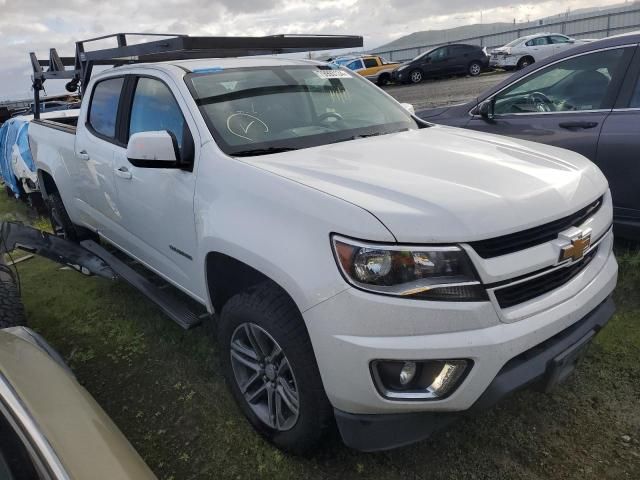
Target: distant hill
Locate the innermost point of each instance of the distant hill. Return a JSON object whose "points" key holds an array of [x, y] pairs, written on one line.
{"points": [[438, 37], [433, 37]]}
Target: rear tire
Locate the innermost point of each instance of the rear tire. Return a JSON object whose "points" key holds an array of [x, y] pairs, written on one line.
{"points": [[475, 69], [384, 79], [61, 224], [265, 319], [525, 62]]}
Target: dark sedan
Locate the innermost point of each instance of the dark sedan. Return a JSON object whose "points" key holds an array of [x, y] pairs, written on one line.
{"points": [[586, 99], [447, 60]]}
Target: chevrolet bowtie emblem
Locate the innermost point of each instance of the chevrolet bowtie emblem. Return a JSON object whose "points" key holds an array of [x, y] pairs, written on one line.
{"points": [[580, 243]]}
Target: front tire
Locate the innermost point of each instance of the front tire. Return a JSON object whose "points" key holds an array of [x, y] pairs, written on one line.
{"points": [[416, 76], [268, 361]]}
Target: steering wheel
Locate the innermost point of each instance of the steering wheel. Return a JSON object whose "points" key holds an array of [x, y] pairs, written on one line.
{"points": [[540, 102], [326, 116]]}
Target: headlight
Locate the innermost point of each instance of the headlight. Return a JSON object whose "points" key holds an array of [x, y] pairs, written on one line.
{"points": [[429, 273]]}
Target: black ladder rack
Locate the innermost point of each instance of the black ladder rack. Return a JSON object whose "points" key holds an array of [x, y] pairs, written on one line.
{"points": [[170, 47]]}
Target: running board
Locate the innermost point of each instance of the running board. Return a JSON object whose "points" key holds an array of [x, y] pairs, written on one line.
{"points": [[173, 308]]}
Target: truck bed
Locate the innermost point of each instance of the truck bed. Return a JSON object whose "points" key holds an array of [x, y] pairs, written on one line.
{"points": [[65, 124]]}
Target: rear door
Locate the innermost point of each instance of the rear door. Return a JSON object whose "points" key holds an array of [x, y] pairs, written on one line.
{"points": [[91, 168], [618, 150], [539, 48], [156, 203], [563, 104]]}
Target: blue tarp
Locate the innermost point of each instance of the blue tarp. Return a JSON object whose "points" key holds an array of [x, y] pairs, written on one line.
{"points": [[14, 132]]}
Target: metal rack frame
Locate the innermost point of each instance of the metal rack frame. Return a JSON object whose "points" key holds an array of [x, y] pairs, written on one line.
{"points": [[171, 47]]}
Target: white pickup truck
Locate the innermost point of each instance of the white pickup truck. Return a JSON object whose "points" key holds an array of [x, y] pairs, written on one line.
{"points": [[363, 265]]}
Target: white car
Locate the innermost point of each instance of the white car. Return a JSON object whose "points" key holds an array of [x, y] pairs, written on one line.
{"points": [[363, 265], [524, 51]]}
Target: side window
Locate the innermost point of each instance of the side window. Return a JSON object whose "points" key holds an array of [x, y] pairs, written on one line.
{"points": [[439, 54], [536, 42], [104, 106], [578, 83], [154, 108], [15, 462], [558, 39], [370, 63], [355, 65]]}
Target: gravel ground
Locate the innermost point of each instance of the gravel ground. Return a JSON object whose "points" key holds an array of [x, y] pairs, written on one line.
{"points": [[435, 93]]}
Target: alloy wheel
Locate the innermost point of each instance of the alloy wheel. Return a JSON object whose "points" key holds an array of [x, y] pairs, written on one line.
{"points": [[474, 69], [264, 376], [416, 76]]}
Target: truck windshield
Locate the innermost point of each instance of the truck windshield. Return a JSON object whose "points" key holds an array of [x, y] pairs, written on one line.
{"points": [[256, 111]]}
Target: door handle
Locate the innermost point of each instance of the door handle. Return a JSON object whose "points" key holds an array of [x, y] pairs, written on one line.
{"points": [[576, 125], [83, 155], [123, 172]]}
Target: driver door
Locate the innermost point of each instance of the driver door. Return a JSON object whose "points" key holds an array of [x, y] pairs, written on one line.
{"points": [[563, 104]]}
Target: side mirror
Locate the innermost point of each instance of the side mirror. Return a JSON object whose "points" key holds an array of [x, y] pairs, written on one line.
{"points": [[153, 149], [409, 108], [485, 109]]}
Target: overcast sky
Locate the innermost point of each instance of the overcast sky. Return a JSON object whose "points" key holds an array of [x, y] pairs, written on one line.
{"points": [[37, 25]]}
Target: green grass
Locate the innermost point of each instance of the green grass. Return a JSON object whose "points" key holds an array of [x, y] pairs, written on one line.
{"points": [[163, 388]]}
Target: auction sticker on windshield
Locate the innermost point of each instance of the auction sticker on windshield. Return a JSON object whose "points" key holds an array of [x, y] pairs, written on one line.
{"points": [[330, 74]]}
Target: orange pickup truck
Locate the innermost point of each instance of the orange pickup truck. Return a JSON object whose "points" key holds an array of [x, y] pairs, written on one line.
{"points": [[372, 67]]}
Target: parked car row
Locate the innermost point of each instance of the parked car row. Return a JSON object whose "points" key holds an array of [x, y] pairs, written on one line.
{"points": [[459, 58], [585, 99]]}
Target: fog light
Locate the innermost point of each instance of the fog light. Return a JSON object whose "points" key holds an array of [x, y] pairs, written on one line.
{"points": [[407, 373], [418, 380]]}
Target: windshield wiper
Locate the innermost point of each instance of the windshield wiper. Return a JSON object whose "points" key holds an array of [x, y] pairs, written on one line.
{"points": [[366, 135], [261, 151]]}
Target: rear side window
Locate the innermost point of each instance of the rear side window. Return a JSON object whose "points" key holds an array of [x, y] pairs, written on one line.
{"points": [[104, 106], [155, 109], [537, 42], [370, 62], [558, 39]]}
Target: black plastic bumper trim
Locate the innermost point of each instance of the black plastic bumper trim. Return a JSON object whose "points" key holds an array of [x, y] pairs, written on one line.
{"points": [[374, 432]]}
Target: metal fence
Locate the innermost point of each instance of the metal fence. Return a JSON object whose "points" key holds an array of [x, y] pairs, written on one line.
{"points": [[598, 25]]}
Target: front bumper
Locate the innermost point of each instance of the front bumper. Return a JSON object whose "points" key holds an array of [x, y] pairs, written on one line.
{"points": [[381, 432]]}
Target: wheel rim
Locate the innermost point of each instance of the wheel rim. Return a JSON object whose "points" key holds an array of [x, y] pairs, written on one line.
{"points": [[475, 69], [416, 77], [524, 64], [264, 376]]}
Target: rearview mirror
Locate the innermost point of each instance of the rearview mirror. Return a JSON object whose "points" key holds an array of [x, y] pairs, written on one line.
{"points": [[152, 149], [409, 108], [485, 109]]}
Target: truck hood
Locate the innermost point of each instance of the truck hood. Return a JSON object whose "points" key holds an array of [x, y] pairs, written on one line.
{"points": [[443, 184]]}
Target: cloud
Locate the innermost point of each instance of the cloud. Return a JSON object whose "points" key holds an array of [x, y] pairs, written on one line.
{"points": [[37, 25]]}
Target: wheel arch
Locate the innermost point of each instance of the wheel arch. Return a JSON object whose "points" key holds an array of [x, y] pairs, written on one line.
{"points": [[227, 276], [47, 183]]}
